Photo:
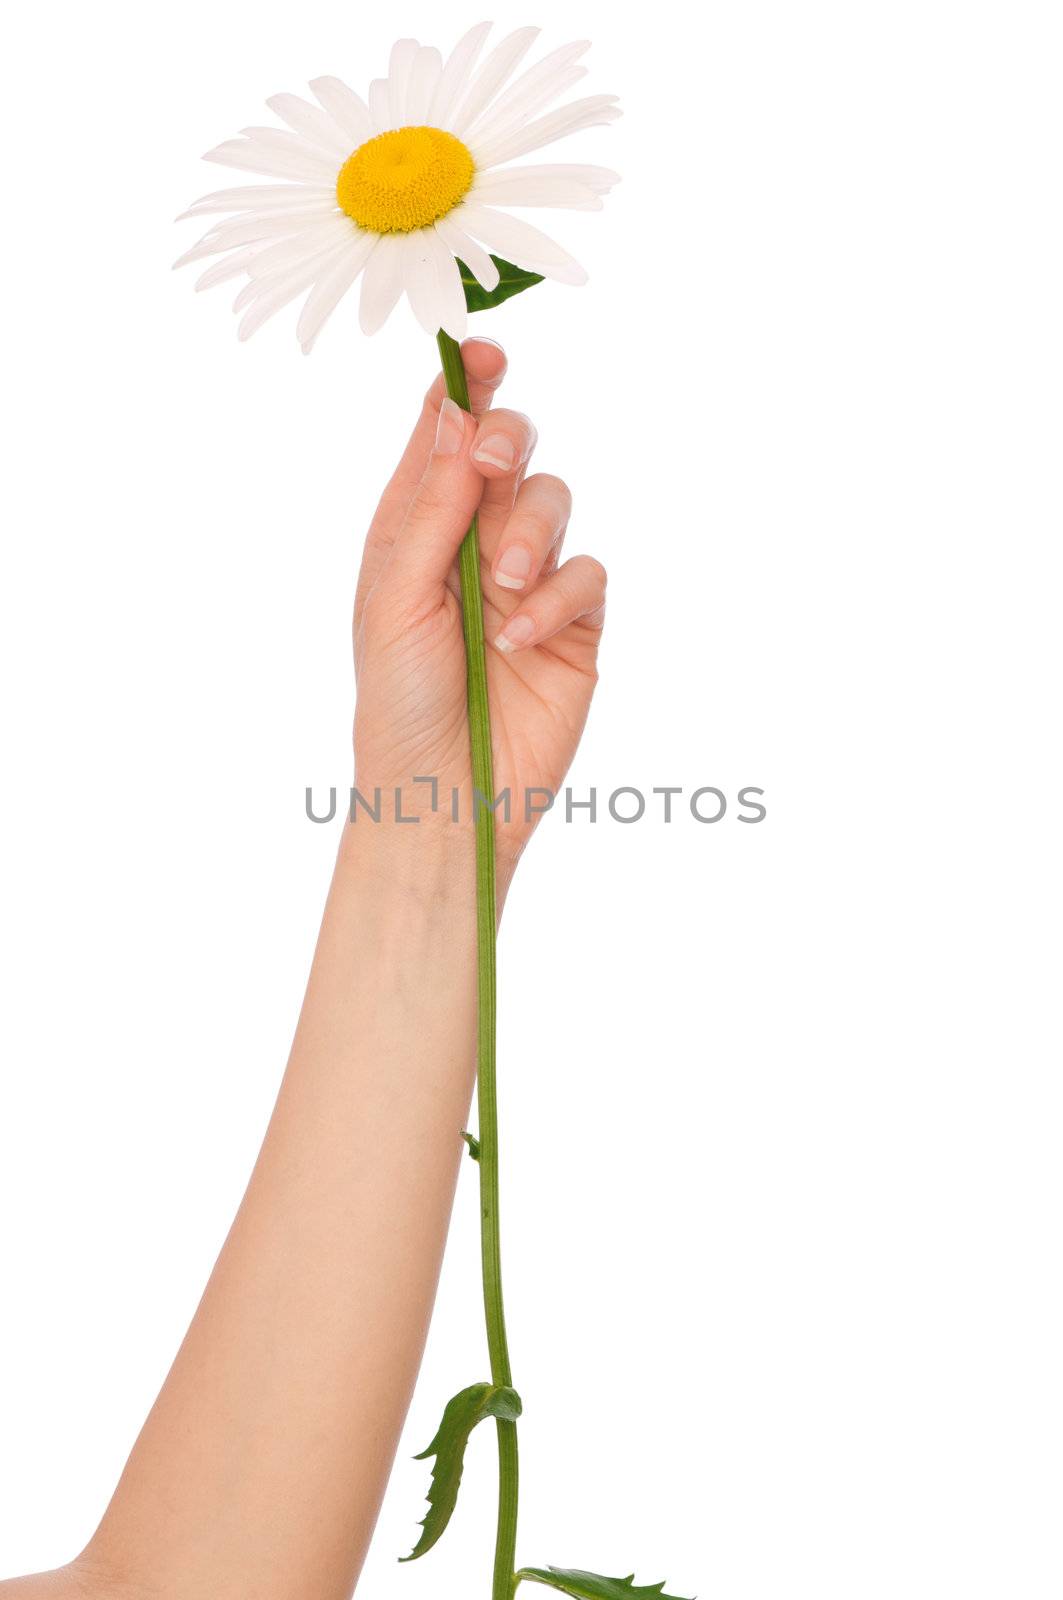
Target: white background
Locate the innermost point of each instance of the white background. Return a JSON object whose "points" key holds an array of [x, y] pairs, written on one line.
{"points": [[781, 1103]]}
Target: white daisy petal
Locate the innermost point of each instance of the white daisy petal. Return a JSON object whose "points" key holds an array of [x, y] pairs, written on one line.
{"points": [[348, 110], [513, 189], [466, 249], [254, 288], [598, 179], [313, 124], [259, 197], [555, 125], [381, 283], [312, 241], [403, 55], [520, 243], [495, 72], [424, 76], [306, 266], [277, 220], [306, 271], [297, 216], [490, 128], [433, 284], [456, 74], [231, 267], [379, 105], [248, 230], [330, 288], [533, 89], [278, 295], [284, 143], [450, 296], [249, 157], [420, 278]]}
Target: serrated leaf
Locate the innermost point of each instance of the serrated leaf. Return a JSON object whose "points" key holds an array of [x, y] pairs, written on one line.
{"points": [[511, 280], [592, 1586], [473, 1144], [461, 1416]]}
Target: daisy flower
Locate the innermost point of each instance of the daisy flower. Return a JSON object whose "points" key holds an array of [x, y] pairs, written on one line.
{"points": [[400, 189]]}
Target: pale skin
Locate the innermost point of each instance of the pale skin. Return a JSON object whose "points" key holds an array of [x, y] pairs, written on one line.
{"points": [[260, 1470]]}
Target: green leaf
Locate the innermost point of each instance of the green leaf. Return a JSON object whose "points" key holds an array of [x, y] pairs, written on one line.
{"points": [[511, 280], [591, 1586], [459, 1419], [473, 1144]]}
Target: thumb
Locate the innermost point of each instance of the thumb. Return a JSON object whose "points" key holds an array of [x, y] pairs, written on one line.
{"points": [[440, 509]]}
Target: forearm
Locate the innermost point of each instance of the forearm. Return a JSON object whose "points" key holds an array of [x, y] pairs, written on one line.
{"points": [[260, 1469]]}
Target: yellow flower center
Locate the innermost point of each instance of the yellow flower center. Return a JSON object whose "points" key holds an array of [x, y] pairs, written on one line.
{"points": [[405, 179]]}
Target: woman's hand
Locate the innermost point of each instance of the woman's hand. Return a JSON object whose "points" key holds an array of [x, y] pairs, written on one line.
{"points": [[542, 618]]}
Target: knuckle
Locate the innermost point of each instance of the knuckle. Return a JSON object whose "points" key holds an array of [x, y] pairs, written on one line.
{"points": [[539, 523], [430, 502], [374, 625], [394, 609]]}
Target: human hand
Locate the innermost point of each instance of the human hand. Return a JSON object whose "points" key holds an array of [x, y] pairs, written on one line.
{"points": [[542, 620]]}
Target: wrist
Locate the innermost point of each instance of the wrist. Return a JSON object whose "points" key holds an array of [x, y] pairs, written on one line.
{"points": [[400, 918], [429, 860], [426, 864]]}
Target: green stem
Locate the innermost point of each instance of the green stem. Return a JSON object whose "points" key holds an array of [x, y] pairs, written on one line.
{"points": [[487, 1095]]}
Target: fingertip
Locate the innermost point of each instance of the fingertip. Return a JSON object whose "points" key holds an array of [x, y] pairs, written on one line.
{"points": [[485, 361]]}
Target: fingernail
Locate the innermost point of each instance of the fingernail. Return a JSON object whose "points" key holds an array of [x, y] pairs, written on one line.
{"points": [[481, 339], [514, 567], [496, 451], [450, 429], [517, 632]]}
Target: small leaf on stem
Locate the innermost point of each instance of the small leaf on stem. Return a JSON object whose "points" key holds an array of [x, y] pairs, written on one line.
{"points": [[462, 1414], [511, 280], [591, 1586], [473, 1144]]}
